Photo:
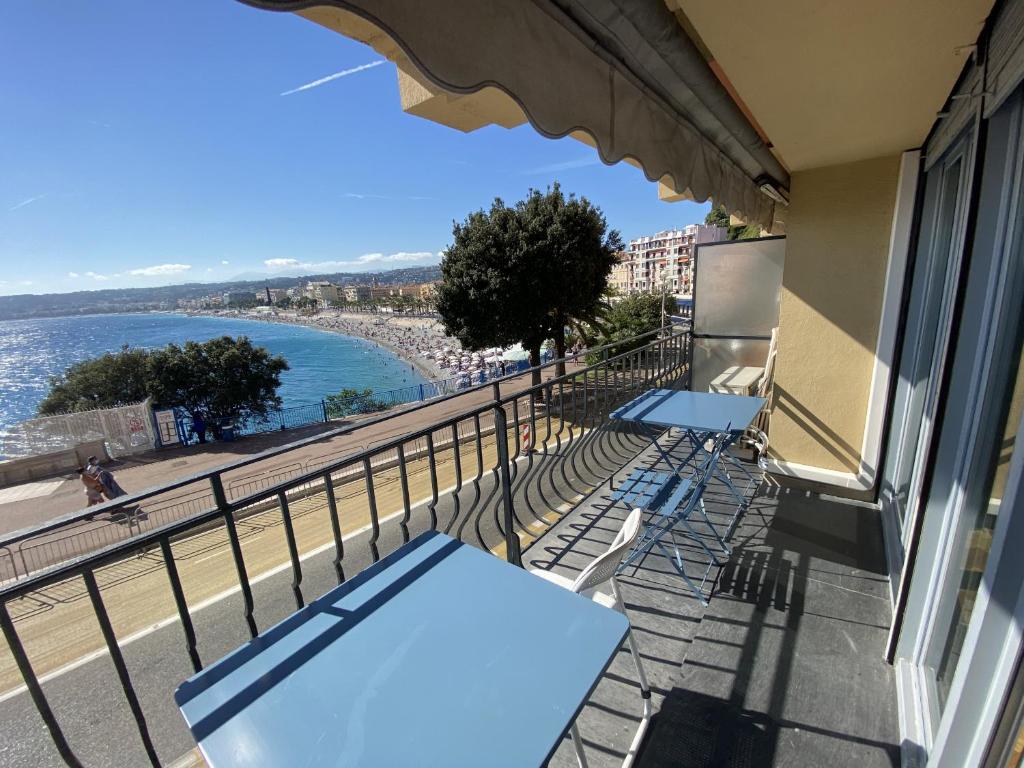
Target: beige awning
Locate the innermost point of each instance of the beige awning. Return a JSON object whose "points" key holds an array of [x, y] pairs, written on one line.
{"points": [[566, 75]]}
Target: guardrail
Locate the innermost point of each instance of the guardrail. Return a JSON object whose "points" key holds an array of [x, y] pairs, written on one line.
{"points": [[497, 474], [380, 400]]}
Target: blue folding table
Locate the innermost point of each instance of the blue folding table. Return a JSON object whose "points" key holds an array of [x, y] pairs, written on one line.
{"points": [[438, 655], [700, 416], [703, 418]]}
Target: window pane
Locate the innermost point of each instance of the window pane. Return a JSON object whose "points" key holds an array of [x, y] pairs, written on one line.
{"points": [[935, 297], [973, 542]]}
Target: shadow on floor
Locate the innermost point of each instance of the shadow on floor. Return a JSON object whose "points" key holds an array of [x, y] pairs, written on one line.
{"points": [[783, 667]]}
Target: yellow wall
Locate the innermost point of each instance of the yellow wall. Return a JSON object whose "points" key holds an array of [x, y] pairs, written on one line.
{"points": [[838, 227]]}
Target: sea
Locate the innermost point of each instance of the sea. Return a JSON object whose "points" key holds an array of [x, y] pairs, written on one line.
{"points": [[321, 362]]}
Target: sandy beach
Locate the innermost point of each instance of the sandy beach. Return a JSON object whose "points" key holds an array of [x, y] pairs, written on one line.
{"points": [[402, 335]]}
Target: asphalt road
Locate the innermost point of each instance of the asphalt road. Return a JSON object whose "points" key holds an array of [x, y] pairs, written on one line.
{"points": [[88, 700]]}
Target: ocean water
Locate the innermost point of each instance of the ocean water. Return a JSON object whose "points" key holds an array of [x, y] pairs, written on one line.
{"points": [[321, 363]]}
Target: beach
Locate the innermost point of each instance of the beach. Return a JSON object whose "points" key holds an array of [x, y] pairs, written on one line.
{"points": [[405, 336]]}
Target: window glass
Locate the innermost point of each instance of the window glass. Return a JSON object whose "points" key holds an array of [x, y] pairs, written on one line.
{"points": [[974, 540]]}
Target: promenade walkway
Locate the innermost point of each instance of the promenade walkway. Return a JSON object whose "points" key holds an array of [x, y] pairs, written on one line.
{"points": [[154, 468]]}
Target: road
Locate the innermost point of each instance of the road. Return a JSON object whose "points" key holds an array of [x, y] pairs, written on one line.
{"points": [[78, 538], [63, 640], [154, 468]]}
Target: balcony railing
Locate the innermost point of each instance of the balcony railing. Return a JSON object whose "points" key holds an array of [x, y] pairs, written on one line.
{"points": [[498, 473]]}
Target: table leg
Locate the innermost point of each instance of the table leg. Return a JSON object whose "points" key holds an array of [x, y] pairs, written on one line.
{"points": [[577, 743]]}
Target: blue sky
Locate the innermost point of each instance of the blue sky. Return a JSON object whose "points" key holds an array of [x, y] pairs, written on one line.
{"points": [[147, 143]]}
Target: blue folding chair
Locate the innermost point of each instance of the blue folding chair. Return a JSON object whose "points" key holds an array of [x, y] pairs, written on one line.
{"points": [[751, 438], [669, 499]]}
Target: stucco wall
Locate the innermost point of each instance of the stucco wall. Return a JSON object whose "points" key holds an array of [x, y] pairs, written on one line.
{"points": [[838, 228]]}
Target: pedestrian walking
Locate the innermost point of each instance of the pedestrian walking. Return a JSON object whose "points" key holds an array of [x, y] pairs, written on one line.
{"points": [[109, 486], [93, 487]]}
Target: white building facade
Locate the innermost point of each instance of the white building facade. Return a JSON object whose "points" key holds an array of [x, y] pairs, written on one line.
{"points": [[662, 261]]}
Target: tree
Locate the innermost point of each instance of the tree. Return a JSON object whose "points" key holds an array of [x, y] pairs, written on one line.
{"points": [[306, 304], [719, 217], [576, 253], [107, 381], [487, 284], [284, 302], [223, 378], [635, 315], [349, 402], [519, 275]]}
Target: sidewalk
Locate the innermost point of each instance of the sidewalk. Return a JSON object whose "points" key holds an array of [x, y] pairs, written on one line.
{"points": [[154, 468]]}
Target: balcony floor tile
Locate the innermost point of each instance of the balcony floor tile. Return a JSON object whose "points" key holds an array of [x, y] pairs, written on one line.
{"points": [[784, 667]]}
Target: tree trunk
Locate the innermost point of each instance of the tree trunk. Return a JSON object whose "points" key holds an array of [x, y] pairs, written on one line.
{"points": [[560, 351], [535, 361]]}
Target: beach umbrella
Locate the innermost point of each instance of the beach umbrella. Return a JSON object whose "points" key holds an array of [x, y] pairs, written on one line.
{"points": [[516, 354]]}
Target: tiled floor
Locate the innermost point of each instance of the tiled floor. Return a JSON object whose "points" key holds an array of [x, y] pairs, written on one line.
{"points": [[784, 667]]}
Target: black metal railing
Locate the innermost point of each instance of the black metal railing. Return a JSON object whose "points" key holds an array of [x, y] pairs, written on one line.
{"points": [[497, 473]]}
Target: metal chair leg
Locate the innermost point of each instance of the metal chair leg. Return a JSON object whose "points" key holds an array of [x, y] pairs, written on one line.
{"points": [[682, 572], [721, 542], [645, 687], [577, 743]]}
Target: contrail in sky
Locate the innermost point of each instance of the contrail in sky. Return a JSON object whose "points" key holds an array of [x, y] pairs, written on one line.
{"points": [[23, 203], [335, 76]]}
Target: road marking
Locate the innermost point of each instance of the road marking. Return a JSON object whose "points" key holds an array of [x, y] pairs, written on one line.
{"points": [[210, 557], [192, 611], [212, 600]]}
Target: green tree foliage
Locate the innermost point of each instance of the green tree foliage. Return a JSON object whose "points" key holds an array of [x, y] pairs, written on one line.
{"points": [[285, 302], [638, 314], [719, 217], [521, 274], [571, 238], [112, 379], [306, 304], [349, 402], [223, 378]]}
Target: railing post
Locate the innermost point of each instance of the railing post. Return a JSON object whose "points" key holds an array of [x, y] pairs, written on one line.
{"points": [[323, 406], [512, 553], [221, 500], [688, 359]]}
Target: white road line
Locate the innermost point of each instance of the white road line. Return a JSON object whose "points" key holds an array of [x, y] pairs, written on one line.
{"points": [[210, 557], [145, 632], [192, 611]]}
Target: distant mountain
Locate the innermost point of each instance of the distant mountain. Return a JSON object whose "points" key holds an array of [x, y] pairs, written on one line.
{"points": [[166, 296]]}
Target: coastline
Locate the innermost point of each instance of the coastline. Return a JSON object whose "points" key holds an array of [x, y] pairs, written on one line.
{"points": [[354, 323]]}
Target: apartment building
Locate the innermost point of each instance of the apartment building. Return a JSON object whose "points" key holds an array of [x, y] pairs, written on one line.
{"points": [[663, 260], [273, 295], [355, 293], [238, 297], [323, 292]]}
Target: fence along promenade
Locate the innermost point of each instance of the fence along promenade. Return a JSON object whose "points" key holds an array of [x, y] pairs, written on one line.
{"points": [[499, 507]]}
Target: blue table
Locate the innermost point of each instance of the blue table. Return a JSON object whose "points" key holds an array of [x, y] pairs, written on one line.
{"points": [[703, 418], [700, 416], [438, 655], [694, 411]]}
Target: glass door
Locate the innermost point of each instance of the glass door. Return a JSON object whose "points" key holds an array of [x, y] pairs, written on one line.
{"points": [[926, 334], [960, 603], [971, 544]]}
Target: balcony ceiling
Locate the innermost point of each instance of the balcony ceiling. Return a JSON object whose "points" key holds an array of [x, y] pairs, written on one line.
{"points": [[834, 82]]}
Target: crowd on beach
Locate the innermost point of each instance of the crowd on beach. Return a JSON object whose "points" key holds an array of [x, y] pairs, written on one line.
{"points": [[409, 337], [421, 340]]}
